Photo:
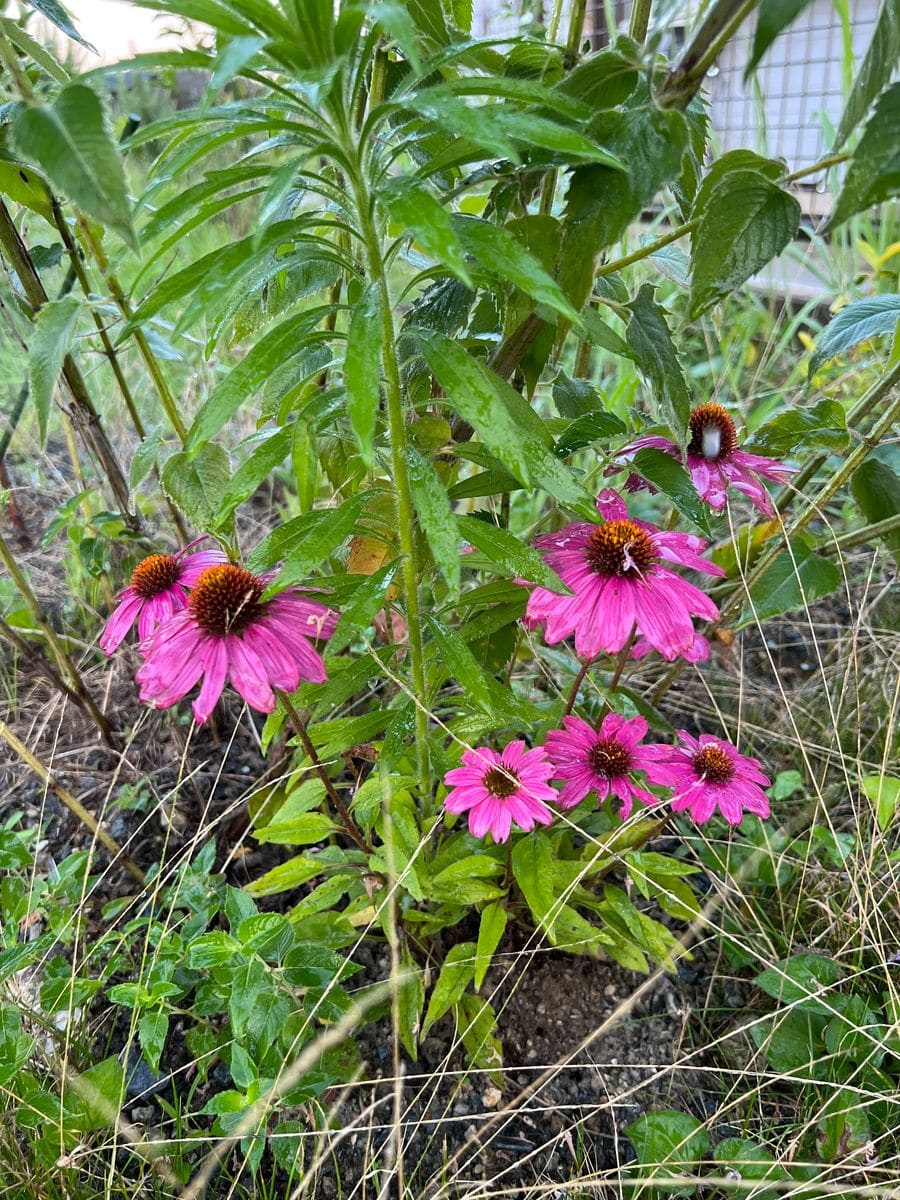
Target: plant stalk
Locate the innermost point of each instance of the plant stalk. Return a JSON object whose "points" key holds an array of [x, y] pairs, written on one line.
{"points": [[350, 827], [718, 26], [84, 414], [67, 668], [640, 20], [860, 537], [405, 505], [72, 803]]}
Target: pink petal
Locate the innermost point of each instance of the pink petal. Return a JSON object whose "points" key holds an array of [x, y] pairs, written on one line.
{"points": [[214, 657], [248, 674], [121, 620], [611, 506]]}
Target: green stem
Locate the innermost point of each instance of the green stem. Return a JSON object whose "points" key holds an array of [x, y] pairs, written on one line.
{"points": [[684, 80], [405, 505], [350, 827], [860, 537], [640, 20], [642, 252]]}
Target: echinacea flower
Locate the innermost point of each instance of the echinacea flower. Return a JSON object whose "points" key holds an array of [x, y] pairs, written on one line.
{"points": [[620, 580], [157, 591], [499, 789], [715, 460], [228, 632], [706, 774], [600, 760]]}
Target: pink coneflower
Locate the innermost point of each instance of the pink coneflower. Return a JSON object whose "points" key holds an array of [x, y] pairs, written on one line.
{"points": [[600, 760], [620, 582], [715, 461], [228, 632], [499, 789], [158, 589], [707, 773]]}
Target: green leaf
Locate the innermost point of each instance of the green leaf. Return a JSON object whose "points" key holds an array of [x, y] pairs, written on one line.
{"points": [[672, 1141], [799, 979], [302, 830], [435, 515], [144, 458], [98, 1096], [796, 579], [670, 477], [856, 323], [875, 72], [198, 484], [254, 370], [456, 975], [23, 185], [588, 429], [651, 342], [309, 551], [791, 1040], [884, 792], [212, 950], [599, 333], [465, 881], [414, 207], [249, 980], [296, 871], [500, 252], [70, 143], [357, 614], [57, 15], [54, 329], [746, 223], [504, 420], [490, 931], [876, 489], [822, 426], [362, 370], [410, 1000], [476, 1023], [511, 556], [254, 471], [726, 165], [153, 1029], [773, 17], [874, 171], [461, 663]]}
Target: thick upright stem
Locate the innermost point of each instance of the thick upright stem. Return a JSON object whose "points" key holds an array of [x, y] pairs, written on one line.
{"points": [[718, 26], [640, 20], [405, 506]]}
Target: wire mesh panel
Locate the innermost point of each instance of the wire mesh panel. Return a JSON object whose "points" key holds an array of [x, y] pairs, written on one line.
{"points": [[790, 107]]}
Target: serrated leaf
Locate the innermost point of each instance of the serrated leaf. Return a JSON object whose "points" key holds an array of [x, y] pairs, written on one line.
{"points": [[796, 579], [821, 426], [435, 515], [54, 329], [57, 15], [856, 323], [461, 663], [500, 252], [586, 430], [331, 531], [23, 185], [144, 458], [249, 980], [456, 974], [727, 164], [747, 222], [254, 471], [510, 555], [669, 476], [198, 484], [773, 16], [876, 489], [362, 370], [874, 172], [651, 343], [875, 72], [601, 334], [70, 143], [504, 420], [417, 210]]}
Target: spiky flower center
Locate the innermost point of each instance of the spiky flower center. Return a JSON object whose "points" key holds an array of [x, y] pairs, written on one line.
{"points": [[225, 599], [714, 764], [501, 782], [154, 574], [712, 432], [609, 758], [620, 548]]}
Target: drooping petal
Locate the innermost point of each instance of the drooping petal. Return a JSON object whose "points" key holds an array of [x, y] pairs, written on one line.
{"points": [[123, 617], [248, 674], [214, 659]]}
